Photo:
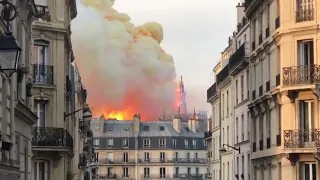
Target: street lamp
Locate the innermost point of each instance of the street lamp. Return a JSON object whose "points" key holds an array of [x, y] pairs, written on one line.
{"points": [[10, 49], [87, 115], [223, 149]]}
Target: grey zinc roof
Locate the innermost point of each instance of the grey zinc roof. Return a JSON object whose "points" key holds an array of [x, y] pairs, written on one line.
{"points": [[124, 128]]}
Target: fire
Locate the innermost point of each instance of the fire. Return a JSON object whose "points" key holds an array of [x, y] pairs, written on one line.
{"points": [[115, 115]]}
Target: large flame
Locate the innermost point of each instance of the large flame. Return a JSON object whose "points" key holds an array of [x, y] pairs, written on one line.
{"points": [[123, 66]]}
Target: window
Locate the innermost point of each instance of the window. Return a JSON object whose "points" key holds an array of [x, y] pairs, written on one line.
{"points": [[268, 15], [18, 148], [109, 172], [248, 125], [227, 103], [125, 172], [176, 156], [308, 171], [247, 83], [189, 171], [125, 157], [238, 166], [236, 91], [110, 142], [110, 129], [40, 109], [260, 22], [305, 57], [305, 10], [174, 142], [222, 104], [146, 156], [41, 170], [188, 156], [162, 156], [249, 166], [205, 143], [146, 172], [261, 127], [255, 129], [109, 157], [228, 173], [162, 142], [241, 88], [228, 136], [242, 165], [186, 143], [40, 52], [261, 73], [213, 118], [162, 172], [268, 124], [254, 82], [237, 130], [268, 68], [96, 142], [146, 143], [196, 155], [306, 113], [194, 144], [96, 157], [161, 128], [125, 142], [254, 31], [146, 128], [242, 127], [176, 172]]}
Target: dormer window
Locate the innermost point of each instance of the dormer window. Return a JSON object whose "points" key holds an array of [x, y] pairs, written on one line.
{"points": [[110, 129], [146, 128], [126, 129], [161, 128]]}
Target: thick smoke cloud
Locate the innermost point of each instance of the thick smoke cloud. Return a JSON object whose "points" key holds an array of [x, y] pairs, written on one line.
{"points": [[123, 66]]}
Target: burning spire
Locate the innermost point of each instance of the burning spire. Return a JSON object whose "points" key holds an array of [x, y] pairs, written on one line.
{"points": [[182, 104]]}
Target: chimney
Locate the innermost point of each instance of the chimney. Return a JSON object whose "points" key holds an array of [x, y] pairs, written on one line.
{"points": [[240, 12], [177, 124], [101, 124], [136, 126], [193, 123]]}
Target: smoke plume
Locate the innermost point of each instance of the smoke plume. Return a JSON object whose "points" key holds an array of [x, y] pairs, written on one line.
{"points": [[122, 66]]}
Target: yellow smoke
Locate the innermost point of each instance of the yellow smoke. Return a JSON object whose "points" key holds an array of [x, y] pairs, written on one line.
{"points": [[122, 65]]}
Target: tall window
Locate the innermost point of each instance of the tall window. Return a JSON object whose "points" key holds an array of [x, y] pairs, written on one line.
{"points": [[227, 103], [222, 104], [268, 15], [268, 69], [305, 55], [241, 88], [162, 172], [242, 127], [146, 172], [260, 23], [268, 124], [125, 142], [186, 143], [162, 142], [261, 73], [238, 165], [248, 125], [110, 142], [237, 129], [125, 157], [254, 30], [41, 170], [308, 171], [125, 172], [146, 156], [40, 52], [174, 142], [228, 136], [146, 143], [261, 126], [247, 83], [236, 91], [194, 144], [254, 82], [162, 156], [40, 109]]}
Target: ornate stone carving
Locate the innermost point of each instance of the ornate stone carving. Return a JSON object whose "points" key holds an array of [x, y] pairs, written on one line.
{"points": [[256, 111], [271, 103]]}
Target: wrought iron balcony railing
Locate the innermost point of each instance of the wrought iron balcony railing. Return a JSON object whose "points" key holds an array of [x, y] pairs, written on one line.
{"points": [[193, 176], [42, 74], [212, 91], [237, 57], [117, 161], [207, 134], [104, 176], [300, 138], [51, 137], [44, 13], [223, 74], [174, 160], [301, 75], [154, 176], [304, 15]]}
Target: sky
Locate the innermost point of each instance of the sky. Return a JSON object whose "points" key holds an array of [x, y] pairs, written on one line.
{"points": [[195, 32]]}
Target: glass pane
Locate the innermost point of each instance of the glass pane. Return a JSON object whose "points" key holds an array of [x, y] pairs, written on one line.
{"points": [[314, 172], [41, 171], [8, 59], [307, 172]]}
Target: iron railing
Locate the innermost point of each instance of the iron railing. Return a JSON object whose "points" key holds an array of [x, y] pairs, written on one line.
{"points": [[207, 134], [301, 75], [223, 74], [117, 161], [174, 160], [193, 176], [51, 137], [43, 74], [44, 13], [304, 15], [212, 91], [104, 176], [300, 138], [237, 57]]}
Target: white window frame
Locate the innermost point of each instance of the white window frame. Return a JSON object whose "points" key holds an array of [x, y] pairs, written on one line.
{"points": [[125, 157], [174, 142], [110, 142], [162, 142], [194, 144], [39, 104], [125, 142], [162, 172], [37, 170], [125, 172], [302, 169], [146, 143], [186, 143], [96, 142], [146, 172]]}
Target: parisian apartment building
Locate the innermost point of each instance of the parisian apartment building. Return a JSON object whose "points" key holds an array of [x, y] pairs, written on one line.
{"points": [[61, 137], [136, 149], [273, 109]]}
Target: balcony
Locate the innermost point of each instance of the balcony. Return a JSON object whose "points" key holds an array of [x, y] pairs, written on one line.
{"points": [[303, 15], [154, 176], [51, 138], [223, 75], [300, 138], [44, 14], [174, 160], [211, 92], [42, 74], [104, 176], [237, 61], [207, 135], [194, 176], [298, 75], [117, 161], [82, 161]]}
